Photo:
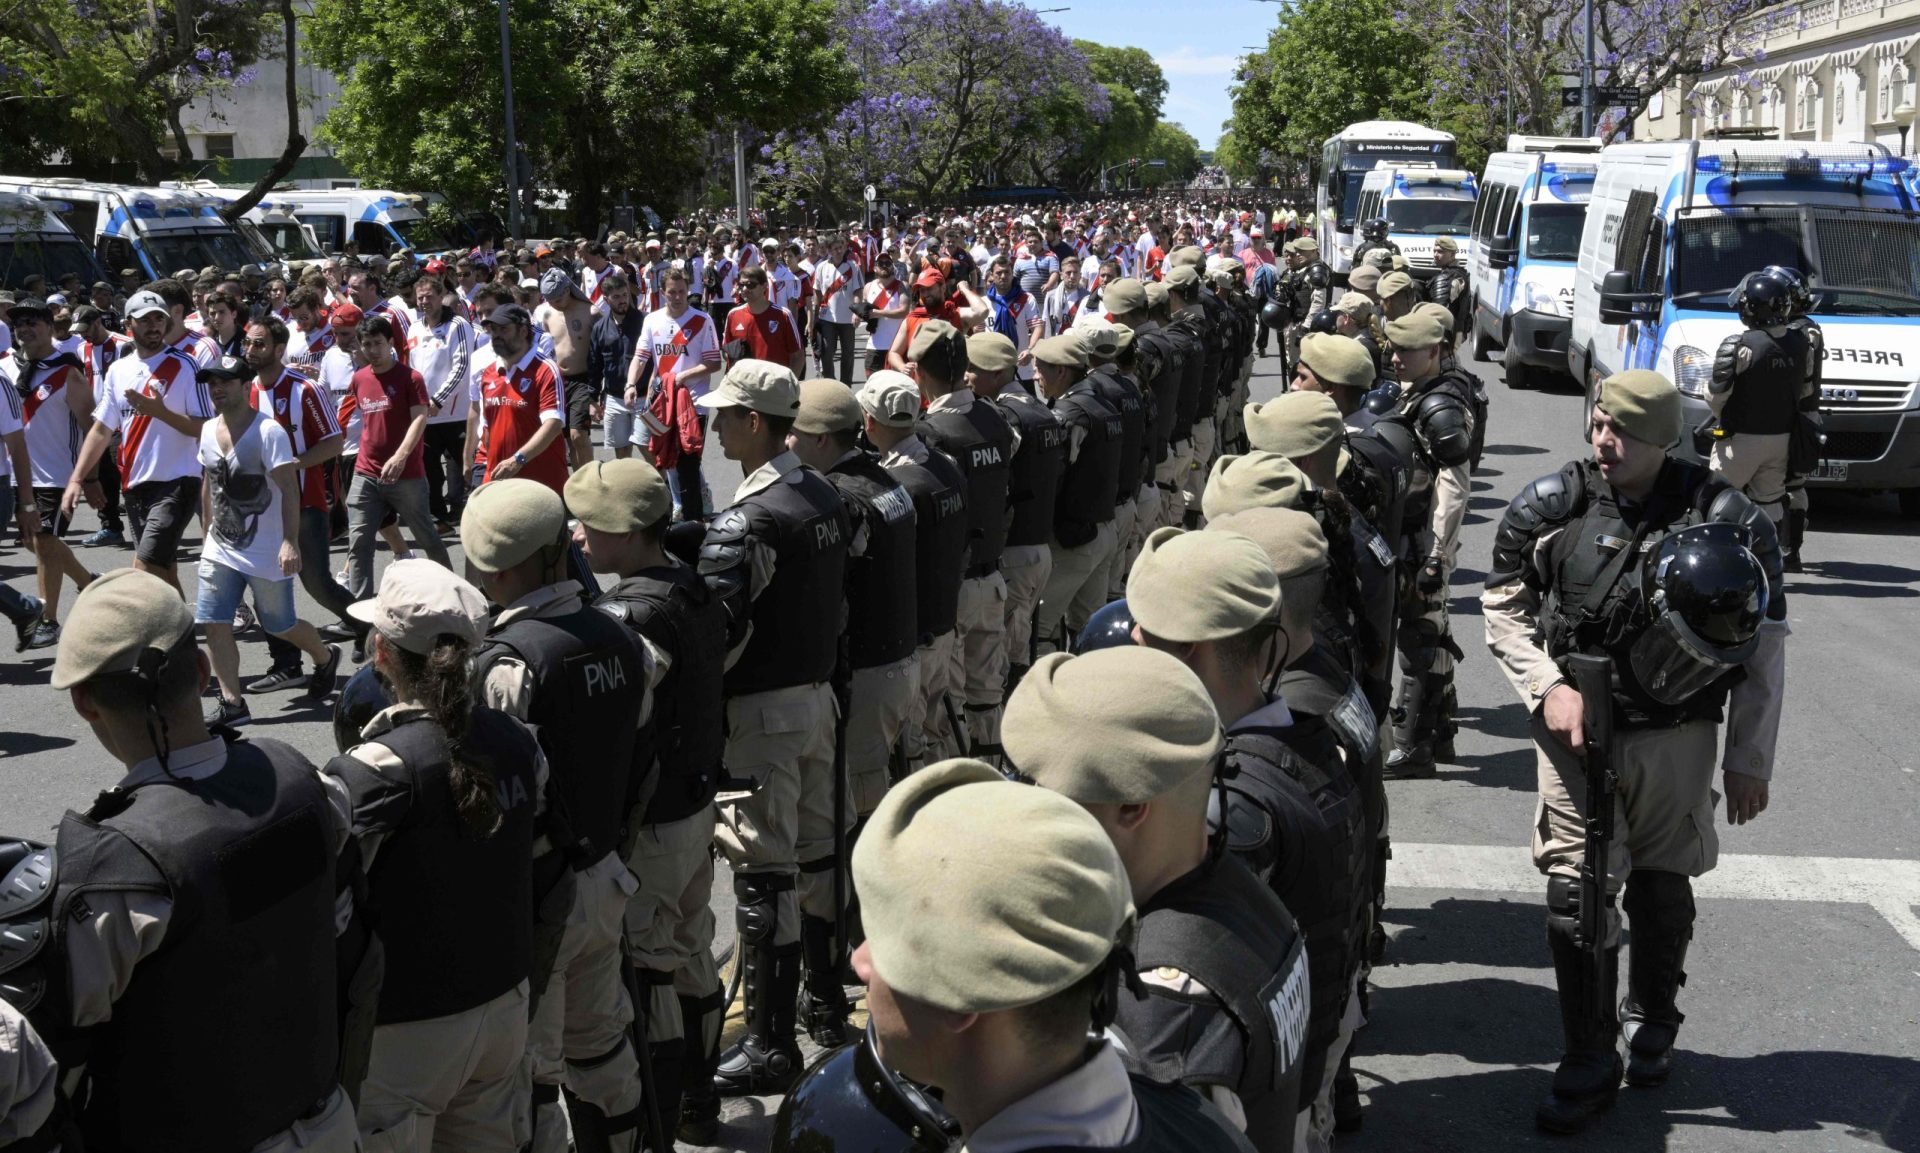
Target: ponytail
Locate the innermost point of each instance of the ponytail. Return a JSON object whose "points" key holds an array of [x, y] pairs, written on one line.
{"points": [[443, 685]]}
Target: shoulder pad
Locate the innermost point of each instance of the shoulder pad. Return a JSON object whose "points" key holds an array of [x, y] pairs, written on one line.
{"points": [[28, 874], [1446, 424], [1551, 501], [617, 609], [1728, 505], [1383, 400], [725, 540], [1319, 276]]}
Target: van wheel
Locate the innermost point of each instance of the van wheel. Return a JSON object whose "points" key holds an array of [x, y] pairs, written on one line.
{"points": [[1520, 377], [1477, 346], [1910, 503]]}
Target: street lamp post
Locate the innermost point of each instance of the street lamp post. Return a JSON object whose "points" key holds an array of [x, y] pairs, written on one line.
{"points": [[513, 145]]}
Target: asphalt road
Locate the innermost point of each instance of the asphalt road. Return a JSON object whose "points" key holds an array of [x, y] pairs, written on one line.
{"points": [[1803, 1003]]}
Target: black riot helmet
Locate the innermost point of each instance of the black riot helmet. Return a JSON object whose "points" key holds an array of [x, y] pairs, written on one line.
{"points": [[850, 1102], [1799, 291], [1273, 315], [1706, 594], [1323, 321], [1375, 230], [365, 693], [1110, 626], [1763, 300]]}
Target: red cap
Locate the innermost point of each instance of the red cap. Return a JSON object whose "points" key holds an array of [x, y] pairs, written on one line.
{"points": [[436, 267], [347, 314], [929, 277]]}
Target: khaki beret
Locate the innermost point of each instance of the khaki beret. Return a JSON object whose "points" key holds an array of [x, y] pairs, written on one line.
{"points": [[985, 895], [1256, 480], [990, 351], [507, 521], [1308, 245], [1116, 726], [1188, 256], [1394, 283], [1298, 423], [827, 406], [618, 495], [1354, 304], [1063, 351], [1364, 278], [760, 385], [930, 335], [1439, 312], [1182, 279], [1292, 539], [1156, 294], [1124, 296], [1642, 403], [118, 616], [892, 398], [1446, 244], [1396, 260], [1189, 587], [1097, 335], [1416, 330], [1338, 361]]}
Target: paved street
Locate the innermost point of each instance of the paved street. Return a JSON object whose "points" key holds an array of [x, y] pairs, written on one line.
{"points": [[1803, 1004]]}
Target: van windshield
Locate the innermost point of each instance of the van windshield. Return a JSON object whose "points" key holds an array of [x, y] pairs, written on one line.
{"points": [[1553, 231], [24, 254], [172, 251], [1868, 263], [288, 239], [1430, 217], [421, 235]]}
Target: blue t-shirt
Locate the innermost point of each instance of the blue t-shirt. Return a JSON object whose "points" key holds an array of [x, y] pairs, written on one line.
{"points": [[1032, 272]]}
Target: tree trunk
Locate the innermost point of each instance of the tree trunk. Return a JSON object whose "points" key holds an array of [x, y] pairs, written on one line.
{"points": [[296, 143]]}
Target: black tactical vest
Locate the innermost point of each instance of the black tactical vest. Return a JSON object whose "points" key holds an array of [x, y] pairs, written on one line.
{"points": [[1089, 482], [1323, 869], [939, 492], [1188, 331], [1218, 325], [1122, 394], [455, 912], [1163, 385], [1376, 483], [228, 1032], [1766, 396], [682, 745], [589, 682], [1033, 486], [1311, 277], [980, 442], [882, 626], [798, 617], [1173, 1119], [1223, 927]]}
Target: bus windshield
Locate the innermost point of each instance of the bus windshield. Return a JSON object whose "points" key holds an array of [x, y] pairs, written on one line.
{"points": [[1346, 163], [1430, 217]]}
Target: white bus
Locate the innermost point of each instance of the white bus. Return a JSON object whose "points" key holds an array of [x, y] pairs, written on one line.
{"points": [[1345, 160]]}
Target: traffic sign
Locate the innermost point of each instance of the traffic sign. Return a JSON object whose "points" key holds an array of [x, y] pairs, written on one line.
{"points": [[871, 194], [1156, 164], [1604, 96]]}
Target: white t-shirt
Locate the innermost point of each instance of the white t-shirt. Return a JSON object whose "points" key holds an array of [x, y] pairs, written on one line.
{"points": [[149, 449], [53, 433], [440, 355], [885, 296], [833, 289], [245, 530], [783, 287], [336, 373], [658, 336]]}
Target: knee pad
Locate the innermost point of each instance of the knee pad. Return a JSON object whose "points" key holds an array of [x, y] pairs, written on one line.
{"points": [[757, 904], [1659, 900], [1563, 905]]}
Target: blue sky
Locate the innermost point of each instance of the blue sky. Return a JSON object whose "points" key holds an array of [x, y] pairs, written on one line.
{"points": [[1197, 43]]}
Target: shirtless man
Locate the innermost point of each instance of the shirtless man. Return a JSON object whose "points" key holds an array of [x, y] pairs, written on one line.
{"points": [[566, 316]]}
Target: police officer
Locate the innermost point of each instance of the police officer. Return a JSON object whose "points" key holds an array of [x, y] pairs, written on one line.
{"points": [[890, 406], [980, 441], [445, 793], [1805, 448], [1448, 285], [187, 980], [1155, 368], [1398, 295], [1759, 377], [580, 679], [880, 675], [623, 508], [1033, 484], [1083, 540], [1436, 406], [1109, 359], [1309, 289], [1197, 393], [1184, 380], [1214, 600], [1002, 920], [1374, 237], [778, 556], [1131, 734], [1669, 569]]}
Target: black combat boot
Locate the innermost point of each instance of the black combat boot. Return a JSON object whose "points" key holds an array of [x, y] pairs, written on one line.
{"points": [[699, 1108], [1347, 1113], [765, 1059], [1659, 909], [1796, 532], [1588, 1078], [823, 1001], [1412, 755], [1440, 687]]}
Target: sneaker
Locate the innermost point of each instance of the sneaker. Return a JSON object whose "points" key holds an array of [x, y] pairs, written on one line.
{"points": [[335, 631], [231, 714], [243, 619], [320, 683], [277, 679], [103, 538], [340, 578], [27, 626], [46, 634]]}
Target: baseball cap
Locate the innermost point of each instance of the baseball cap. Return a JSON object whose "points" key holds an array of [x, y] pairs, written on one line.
{"points": [[83, 317], [760, 385], [419, 602], [929, 277], [118, 616], [556, 282], [892, 398], [32, 306], [346, 315], [509, 314], [142, 303], [226, 368]]}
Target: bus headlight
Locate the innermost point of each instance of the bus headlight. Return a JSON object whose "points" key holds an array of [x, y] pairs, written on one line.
{"points": [[1692, 370]]}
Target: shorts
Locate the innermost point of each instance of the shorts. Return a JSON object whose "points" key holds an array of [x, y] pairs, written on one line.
{"points": [[617, 423], [580, 397], [220, 590], [159, 512], [47, 501]]}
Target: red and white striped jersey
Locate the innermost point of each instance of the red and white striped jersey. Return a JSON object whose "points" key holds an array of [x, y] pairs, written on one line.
{"points": [[151, 450]]}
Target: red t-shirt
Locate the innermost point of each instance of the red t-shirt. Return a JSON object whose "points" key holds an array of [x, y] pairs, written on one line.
{"points": [[918, 315], [386, 401], [513, 404], [302, 409], [769, 336]]}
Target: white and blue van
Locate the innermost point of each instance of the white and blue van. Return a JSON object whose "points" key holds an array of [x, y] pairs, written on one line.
{"points": [[1671, 228], [1420, 203], [377, 222], [159, 231], [34, 242], [1526, 241]]}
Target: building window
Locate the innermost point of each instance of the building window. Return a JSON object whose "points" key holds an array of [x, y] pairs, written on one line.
{"points": [[1807, 113], [219, 145], [1742, 110]]}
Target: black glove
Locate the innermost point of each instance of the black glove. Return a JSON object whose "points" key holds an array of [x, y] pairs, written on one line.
{"points": [[1431, 580]]}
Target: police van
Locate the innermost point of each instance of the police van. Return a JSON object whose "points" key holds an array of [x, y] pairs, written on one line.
{"points": [[1526, 239], [269, 227], [1671, 228], [33, 242], [378, 222], [1420, 203], [159, 231]]}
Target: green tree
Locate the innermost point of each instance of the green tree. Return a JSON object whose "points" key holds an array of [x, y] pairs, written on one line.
{"points": [[1175, 145]]}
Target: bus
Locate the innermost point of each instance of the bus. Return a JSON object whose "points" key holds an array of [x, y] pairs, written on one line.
{"points": [[1345, 160]]}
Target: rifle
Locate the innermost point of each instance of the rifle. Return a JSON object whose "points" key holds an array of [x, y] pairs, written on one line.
{"points": [[1593, 677], [843, 702]]}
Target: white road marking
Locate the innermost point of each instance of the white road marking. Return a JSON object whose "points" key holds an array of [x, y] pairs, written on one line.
{"points": [[1890, 886]]}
